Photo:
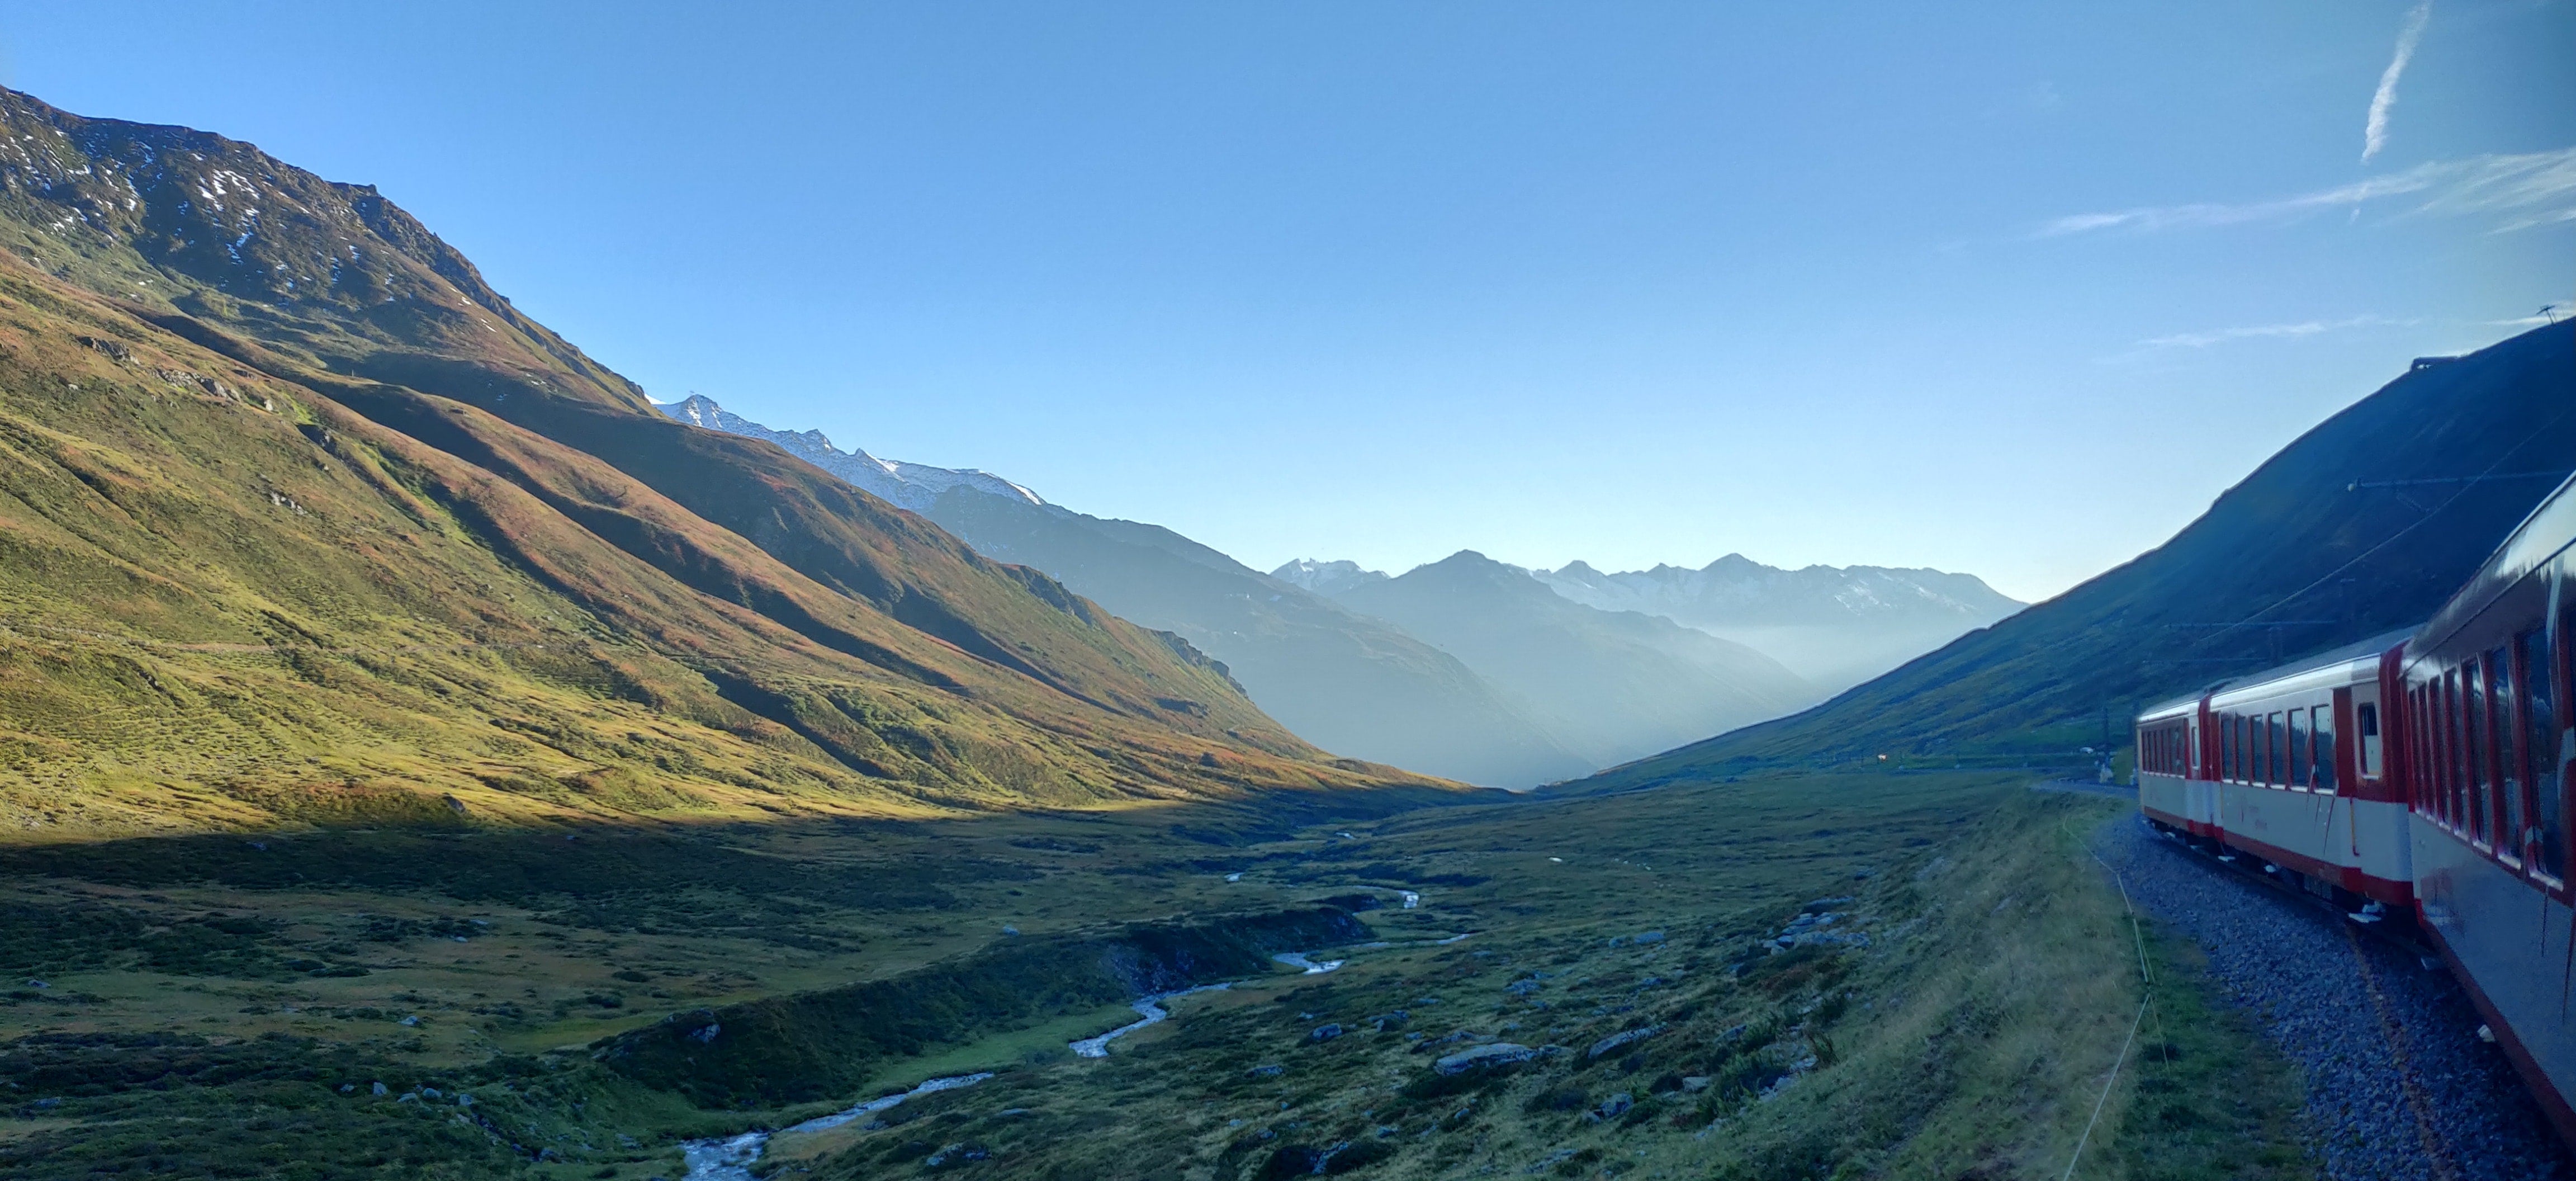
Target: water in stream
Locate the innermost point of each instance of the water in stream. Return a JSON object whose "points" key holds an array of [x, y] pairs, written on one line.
{"points": [[1151, 1008], [729, 1158]]}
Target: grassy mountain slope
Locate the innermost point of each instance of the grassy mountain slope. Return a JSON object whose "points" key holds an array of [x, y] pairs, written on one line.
{"points": [[1609, 684], [250, 579], [2315, 548]]}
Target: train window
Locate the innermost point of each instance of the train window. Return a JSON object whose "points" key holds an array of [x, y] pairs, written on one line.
{"points": [[2324, 739], [2299, 760], [2427, 740], [2227, 746], [2500, 745], [2428, 751], [2365, 733], [2419, 761], [2446, 735], [2257, 758], [2479, 781], [2454, 764], [2540, 754], [2280, 751]]}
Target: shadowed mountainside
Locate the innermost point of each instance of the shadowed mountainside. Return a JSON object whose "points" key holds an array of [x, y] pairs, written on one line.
{"points": [[1344, 681], [2364, 524], [300, 521]]}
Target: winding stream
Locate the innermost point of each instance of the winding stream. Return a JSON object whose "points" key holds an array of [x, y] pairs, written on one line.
{"points": [[1150, 1008], [729, 1158], [1298, 960]]}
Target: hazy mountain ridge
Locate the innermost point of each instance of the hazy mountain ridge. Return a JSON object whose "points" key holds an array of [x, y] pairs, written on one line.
{"points": [[1832, 626], [1611, 684], [1738, 591], [1836, 626], [1347, 683]]}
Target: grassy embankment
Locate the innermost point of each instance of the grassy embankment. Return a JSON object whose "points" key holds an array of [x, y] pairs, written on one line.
{"points": [[205, 1003]]}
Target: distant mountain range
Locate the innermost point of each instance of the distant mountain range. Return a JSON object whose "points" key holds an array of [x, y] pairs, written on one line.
{"points": [[1836, 626], [1467, 668], [1612, 684]]}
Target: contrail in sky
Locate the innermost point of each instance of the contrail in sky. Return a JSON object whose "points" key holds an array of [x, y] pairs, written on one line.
{"points": [[2374, 136]]}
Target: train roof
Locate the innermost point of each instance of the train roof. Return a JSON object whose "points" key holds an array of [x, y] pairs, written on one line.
{"points": [[2358, 650], [2165, 709], [2543, 534], [2369, 649]]}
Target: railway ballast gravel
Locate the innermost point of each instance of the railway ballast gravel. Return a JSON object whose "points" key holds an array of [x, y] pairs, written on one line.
{"points": [[2400, 1088]]}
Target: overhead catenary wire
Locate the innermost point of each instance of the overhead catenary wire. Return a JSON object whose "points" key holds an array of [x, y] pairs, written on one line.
{"points": [[2466, 484]]}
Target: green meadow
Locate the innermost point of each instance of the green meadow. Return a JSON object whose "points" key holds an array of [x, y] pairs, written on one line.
{"points": [[1966, 979]]}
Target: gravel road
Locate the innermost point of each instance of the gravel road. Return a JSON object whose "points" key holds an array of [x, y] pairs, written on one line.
{"points": [[2399, 1086]]}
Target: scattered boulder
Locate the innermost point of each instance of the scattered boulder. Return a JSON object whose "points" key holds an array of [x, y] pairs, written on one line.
{"points": [[1616, 1040], [1611, 1108], [1482, 1057], [1324, 1033], [1267, 1070], [1694, 1084]]}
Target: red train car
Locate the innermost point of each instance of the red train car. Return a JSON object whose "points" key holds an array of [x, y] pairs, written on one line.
{"points": [[2423, 773]]}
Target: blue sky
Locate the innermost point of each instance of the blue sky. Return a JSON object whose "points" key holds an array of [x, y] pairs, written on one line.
{"points": [[2007, 288]]}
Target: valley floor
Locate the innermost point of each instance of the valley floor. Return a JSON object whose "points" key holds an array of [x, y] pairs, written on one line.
{"points": [[1889, 975]]}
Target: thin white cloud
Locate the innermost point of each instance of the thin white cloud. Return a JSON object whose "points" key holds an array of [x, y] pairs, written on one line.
{"points": [[2374, 133], [2535, 188], [2202, 340]]}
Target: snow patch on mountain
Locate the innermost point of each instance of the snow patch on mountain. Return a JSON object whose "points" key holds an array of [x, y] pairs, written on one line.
{"points": [[1326, 578], [1736, 591], [912, 485]]}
